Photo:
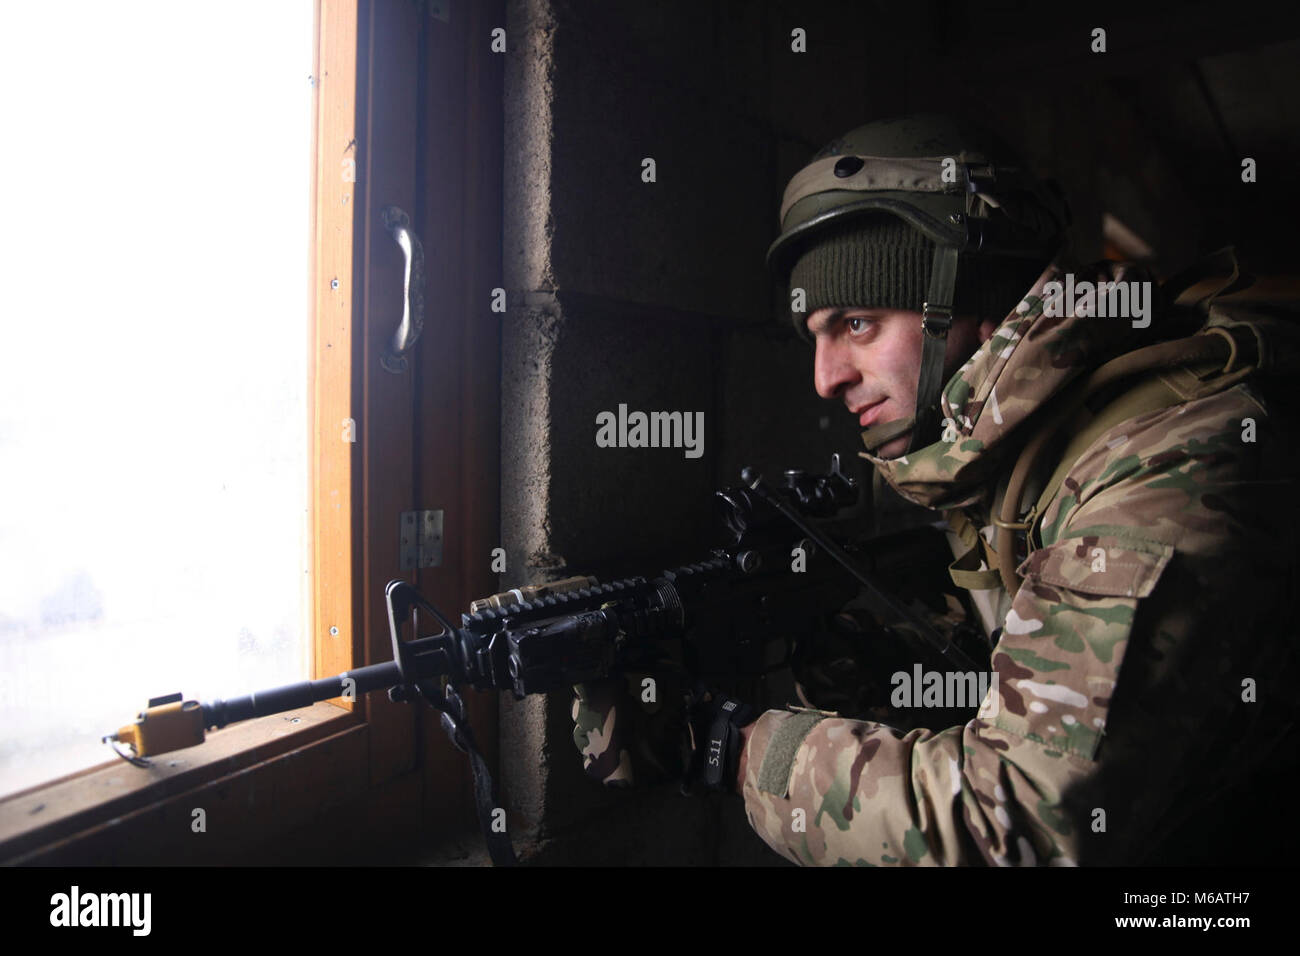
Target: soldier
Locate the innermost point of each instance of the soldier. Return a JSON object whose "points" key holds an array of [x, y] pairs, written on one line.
{"points": [[1116, 485]]}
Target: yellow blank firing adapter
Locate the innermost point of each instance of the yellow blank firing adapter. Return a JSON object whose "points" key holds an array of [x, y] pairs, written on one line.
{"points": [[166, 724]]}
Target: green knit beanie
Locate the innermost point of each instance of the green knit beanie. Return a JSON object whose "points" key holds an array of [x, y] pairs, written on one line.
{"points": [[881, 262]]}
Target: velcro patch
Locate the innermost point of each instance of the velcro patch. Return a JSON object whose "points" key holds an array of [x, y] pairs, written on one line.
{"points": [[778, 760]]}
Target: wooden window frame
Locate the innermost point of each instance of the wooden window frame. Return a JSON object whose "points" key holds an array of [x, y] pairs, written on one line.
{"points": [[334, 763]]}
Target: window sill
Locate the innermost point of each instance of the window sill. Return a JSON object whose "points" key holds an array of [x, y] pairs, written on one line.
{"points": [[34, 821]]}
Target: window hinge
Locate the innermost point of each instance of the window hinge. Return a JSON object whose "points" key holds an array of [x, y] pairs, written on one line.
{"points": [[421, 534]]}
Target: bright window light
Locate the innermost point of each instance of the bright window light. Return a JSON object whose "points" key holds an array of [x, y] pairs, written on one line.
{"points": [[153, 364]]}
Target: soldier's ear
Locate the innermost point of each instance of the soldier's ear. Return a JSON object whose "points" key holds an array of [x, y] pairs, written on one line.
{"points": [[986, 329]]}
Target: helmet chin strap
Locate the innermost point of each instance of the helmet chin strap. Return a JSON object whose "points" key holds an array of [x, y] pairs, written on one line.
{"points": [[878, 435], [936, 320]]}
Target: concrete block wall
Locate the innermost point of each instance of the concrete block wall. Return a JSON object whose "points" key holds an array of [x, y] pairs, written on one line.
{"points": [[651, 295]]}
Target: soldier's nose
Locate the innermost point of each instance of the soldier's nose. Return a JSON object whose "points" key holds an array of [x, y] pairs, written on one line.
{"points": [[832, 372]]}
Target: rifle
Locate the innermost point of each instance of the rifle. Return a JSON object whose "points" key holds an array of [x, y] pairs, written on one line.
{"points": [[740, 612]]}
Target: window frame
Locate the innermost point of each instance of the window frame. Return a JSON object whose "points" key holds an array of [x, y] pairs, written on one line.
{"points": [[288, 770]]}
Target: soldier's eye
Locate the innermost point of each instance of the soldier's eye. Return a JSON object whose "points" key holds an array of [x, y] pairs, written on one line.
{"points": [[858, 325]]}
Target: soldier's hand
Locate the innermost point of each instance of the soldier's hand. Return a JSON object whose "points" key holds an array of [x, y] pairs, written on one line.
{"points": [[837, 673], [631, 730], [848, 670]]}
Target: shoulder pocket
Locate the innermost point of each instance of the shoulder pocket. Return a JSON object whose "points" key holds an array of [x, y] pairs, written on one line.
{"points": [[1100, 564], [1064, 639]]}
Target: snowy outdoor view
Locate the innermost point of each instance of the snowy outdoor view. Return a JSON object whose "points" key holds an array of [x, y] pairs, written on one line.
{"points": [[153, 365]]}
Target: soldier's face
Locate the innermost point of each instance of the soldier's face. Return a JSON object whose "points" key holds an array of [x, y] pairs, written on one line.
{"points": [[870, 359]]}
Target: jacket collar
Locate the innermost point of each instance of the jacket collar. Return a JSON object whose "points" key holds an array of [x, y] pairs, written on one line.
{"points": [[990, 403]]}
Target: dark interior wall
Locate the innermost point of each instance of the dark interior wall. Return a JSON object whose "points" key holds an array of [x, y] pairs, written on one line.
{"points": [[653, 295]]}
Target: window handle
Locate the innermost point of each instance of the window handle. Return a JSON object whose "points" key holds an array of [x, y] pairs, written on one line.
{"points": [[399, 227]]}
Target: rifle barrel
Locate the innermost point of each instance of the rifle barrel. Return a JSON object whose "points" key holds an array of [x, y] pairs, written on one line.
{"points": [[302, 694]]}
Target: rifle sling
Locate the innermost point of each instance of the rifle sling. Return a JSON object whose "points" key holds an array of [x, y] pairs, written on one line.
{"points": [[455, 722], [965, 571]]}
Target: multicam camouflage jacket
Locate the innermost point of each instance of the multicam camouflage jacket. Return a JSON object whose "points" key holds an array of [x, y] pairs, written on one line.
{"points": [[1144, 676]]}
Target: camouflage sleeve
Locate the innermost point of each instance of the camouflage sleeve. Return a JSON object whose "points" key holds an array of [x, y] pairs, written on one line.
{"points": [[1166, 516], [831, 791], [859, 793]]}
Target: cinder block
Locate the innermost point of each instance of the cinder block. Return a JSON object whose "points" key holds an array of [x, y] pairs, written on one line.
{"points": [[695, 237], [591, 94], [613, 504], [527, 143]]}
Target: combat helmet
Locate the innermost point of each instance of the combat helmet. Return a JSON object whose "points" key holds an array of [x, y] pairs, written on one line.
{"points": [[958, 186]]}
